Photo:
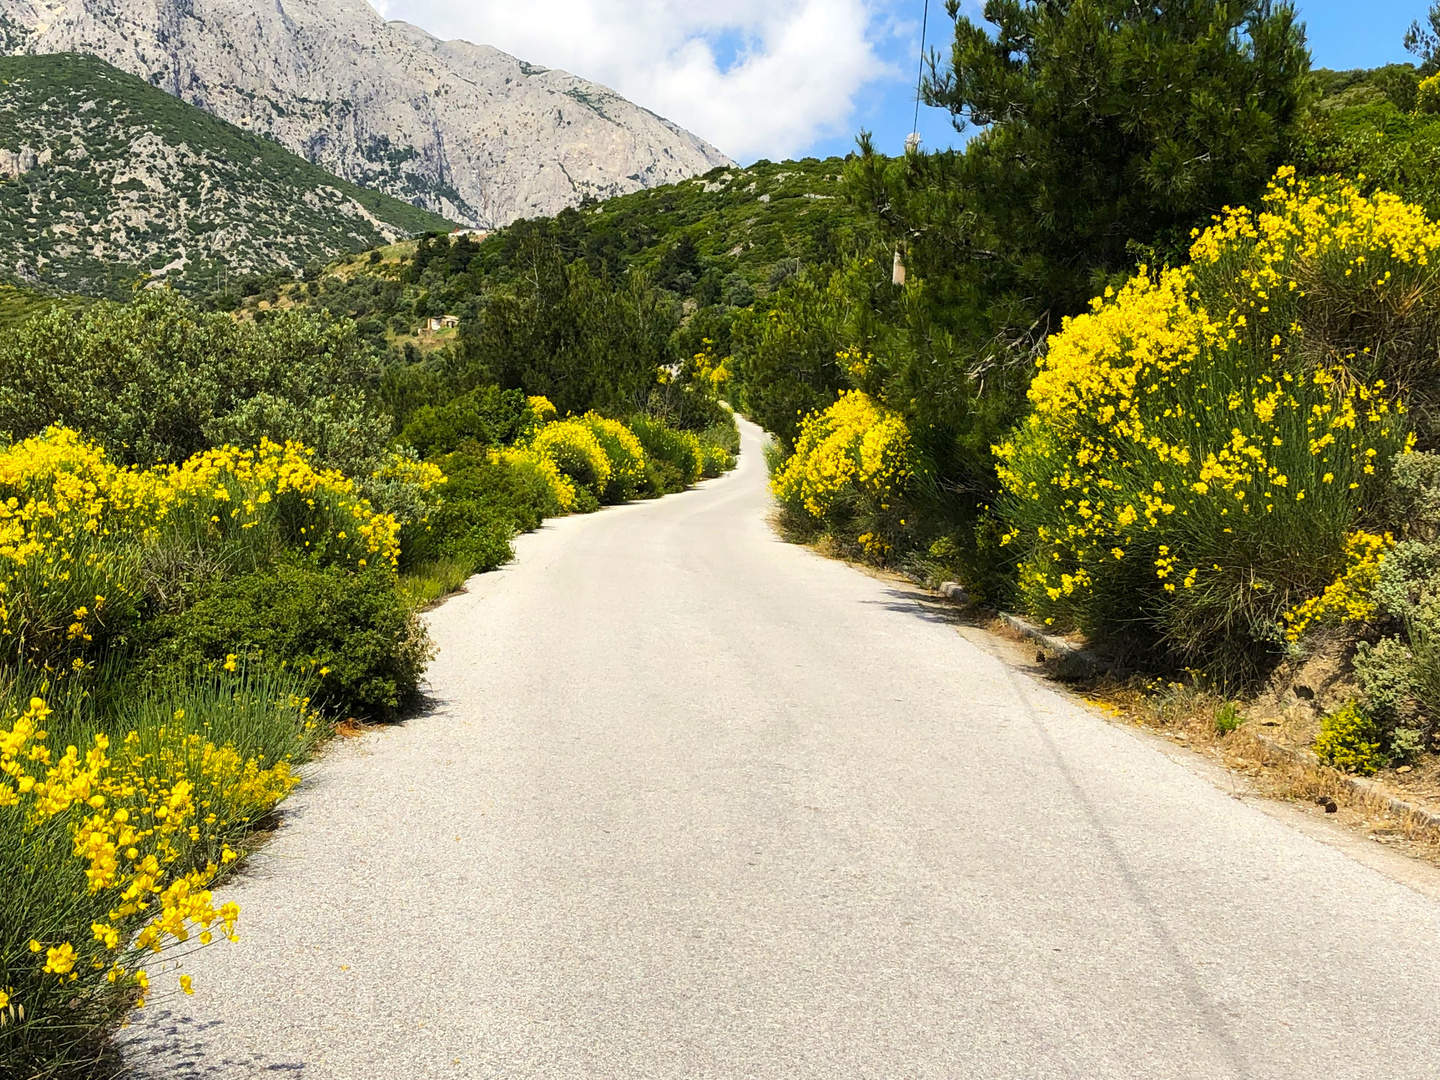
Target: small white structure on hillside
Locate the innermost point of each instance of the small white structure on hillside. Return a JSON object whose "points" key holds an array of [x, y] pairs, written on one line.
{"points": [[443, 322]]}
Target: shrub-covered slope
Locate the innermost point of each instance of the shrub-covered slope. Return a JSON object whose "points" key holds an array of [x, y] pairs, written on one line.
{"points": [[104, 179]]}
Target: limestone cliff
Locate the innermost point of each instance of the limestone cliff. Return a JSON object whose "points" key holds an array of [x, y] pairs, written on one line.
{"points": [[465, 130]]}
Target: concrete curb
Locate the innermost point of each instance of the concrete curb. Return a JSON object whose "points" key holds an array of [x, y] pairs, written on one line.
{"points": [[1077, 661], [1074, 660], [1358, 784]]}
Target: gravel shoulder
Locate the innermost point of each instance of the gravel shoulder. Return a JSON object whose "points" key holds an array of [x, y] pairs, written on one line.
{"points": [[691, 802]]}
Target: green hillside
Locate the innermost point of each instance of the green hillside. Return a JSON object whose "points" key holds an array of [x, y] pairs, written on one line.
{"points": [[716, 243], [105, 180]]}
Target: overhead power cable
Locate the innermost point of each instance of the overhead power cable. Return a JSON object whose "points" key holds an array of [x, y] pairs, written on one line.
{"points": [[920, 75]]}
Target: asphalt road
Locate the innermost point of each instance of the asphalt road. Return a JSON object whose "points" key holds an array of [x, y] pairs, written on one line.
{"points": [[691, 803]]}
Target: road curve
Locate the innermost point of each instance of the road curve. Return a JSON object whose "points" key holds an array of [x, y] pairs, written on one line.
{"points": [[694, 803]]}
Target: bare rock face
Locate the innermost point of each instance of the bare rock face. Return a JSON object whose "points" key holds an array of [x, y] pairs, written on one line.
{"points": [[464, 130]]}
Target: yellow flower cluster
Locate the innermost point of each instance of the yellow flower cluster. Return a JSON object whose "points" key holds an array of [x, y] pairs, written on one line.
{"points": [[74, 526], [411, 470], [1188, 409], [1304, 223], [623, 450], [1350, 597], [543, 408], [563, 496], [138, 815], [576, 452], [707, 372], [855, 452], [238, 484]]}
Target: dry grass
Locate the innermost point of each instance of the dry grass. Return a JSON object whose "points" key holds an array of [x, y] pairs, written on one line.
{"points": [[1187, 714]]}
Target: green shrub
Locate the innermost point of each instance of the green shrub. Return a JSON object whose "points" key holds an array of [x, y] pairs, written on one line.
{"points": [[157, 379], [485, 500], [1399, 675], [486, 415], [1350, 741], [1227, 718], [626, 455], [674, 455], [352, 633]]}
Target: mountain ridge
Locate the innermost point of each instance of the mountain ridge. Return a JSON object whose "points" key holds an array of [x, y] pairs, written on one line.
{"points": [[464, 130], [106, 181]]}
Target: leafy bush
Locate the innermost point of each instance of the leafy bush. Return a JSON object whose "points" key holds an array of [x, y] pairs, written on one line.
{"points": [[485, 500], [848, 474], [1206, 442], [350, 632], [785, 356], [1227, 718], [552, 491], [486, 415], [1399, 674], [157, 380], [1350, 741], [675, 458], [577, 453]]}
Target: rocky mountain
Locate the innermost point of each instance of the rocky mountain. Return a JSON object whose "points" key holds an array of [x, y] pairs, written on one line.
{"points": [[105, 180], [462, 129]]}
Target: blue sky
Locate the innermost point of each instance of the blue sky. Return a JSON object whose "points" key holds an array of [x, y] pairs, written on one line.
{"points": [[787, 78], [1342, 34]]}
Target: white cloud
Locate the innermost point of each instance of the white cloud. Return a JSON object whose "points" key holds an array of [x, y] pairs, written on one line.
{"points": [[758, 78]]}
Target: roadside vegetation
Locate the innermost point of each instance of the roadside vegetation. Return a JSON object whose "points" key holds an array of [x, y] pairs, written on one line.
{"points": [[216, 535], [1161, 372], [1157, 376]]}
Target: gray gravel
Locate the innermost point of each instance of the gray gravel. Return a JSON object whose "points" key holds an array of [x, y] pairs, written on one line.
{"points": [[691, 802]]}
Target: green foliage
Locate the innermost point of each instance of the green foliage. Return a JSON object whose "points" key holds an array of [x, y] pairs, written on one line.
{"points": [[482, 505], [1350, 741], [675, 458], [579, 340], [1227, 718], [487, 416], [231, 201], [351, 633], [786, 355], [1394, 150], [1107, 122], [1423, 39], [717, 238], [19, 305], [1399, 674], [158, 380]]}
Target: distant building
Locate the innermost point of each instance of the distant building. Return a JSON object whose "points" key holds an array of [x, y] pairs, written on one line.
{"points": [[475, 235], [443, 322]]}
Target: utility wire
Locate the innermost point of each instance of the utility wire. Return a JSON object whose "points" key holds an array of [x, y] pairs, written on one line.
{"points": [[920, 76]]}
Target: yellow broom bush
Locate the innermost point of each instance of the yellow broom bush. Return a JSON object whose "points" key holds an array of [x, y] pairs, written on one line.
{"points": [[1205, 442]]}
